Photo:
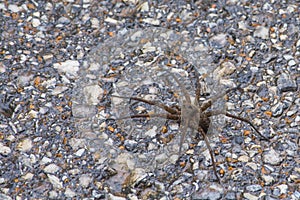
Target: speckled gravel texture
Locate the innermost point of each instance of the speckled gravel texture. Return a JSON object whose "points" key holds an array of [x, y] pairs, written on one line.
{"points": [[44, 47]]}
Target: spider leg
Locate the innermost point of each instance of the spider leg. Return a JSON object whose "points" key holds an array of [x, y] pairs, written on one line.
{"points": [[182, 88], [216, 112], [163, 115], [247, 121], [154, 103], [183, 130], [208, 103], [210, 151]]}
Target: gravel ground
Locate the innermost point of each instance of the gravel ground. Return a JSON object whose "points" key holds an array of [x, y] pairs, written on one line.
{"points": [[51, 51]]}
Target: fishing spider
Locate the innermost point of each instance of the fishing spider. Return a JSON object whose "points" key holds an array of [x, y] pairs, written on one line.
{"points": [[194, 115]]}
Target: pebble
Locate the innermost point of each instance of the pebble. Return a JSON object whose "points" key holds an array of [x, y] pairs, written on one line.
{"points": [[219, 41], [152, 21], [113, 197], [254, 188], [243, 158], [213, 192], [4, 150], [272, 157], [36, 22], [285, 83], [261, 32], [51, 168], [69, 67], [92, 94], [283, 188], [70, 193], [28, 176], [55, 181], [25, 145], [59, 89], [85, 180], [268, 179], [5, 197], [277, 109], [250, 196], [14, 8]]}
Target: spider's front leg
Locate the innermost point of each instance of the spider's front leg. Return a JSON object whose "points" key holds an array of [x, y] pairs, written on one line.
{"points": [[171, 113]]}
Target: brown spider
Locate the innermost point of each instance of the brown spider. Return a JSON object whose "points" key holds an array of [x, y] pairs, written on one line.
{"points": [[193, 115]]}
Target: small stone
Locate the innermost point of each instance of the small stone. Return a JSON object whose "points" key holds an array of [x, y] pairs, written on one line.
{"points": [[45, 160], [28, 176], [272, 157], [80, 152], [36, 22], [261, 32], [219, 41], [286, 84], [283, 188], [252, 165], [59, 89], [112, 197], [70, 67], [152, 21], [254, 188], [292, 63], [33, 114], [111, 20], [63, 20], [277, 110], [151, 132], [250, 196], [25, 145], [92, 94], [14, 8], [213, 192], [5, 197], [55, 181], [52, 168], [85, 180], [243, 158], [4, 150], [70, 193], [130, 145], [76, 143], [95, 23], [242, 25], [144, 7]]}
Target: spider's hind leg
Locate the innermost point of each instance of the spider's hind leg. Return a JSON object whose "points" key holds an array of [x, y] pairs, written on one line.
{"points": [[247, 121]]}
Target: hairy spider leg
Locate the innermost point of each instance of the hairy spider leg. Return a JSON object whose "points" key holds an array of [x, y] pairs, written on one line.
{"points": [[186, 112], [156, 103], [210, 151], [216, 112], [173, 114]]}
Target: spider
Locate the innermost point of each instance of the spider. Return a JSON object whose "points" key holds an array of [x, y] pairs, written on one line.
{"points": [[194, 115]]}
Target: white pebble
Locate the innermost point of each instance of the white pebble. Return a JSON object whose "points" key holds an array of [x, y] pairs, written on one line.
{"points": [[85, 180], [261, 32], [70, 67], [35, 22], [272, 157], [52, 168], [55, 181], [25, 145], [4, 150]]}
